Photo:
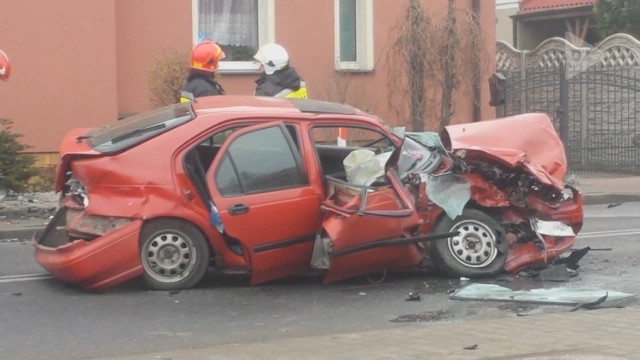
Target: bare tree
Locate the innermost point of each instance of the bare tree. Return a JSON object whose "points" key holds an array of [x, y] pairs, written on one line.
{"points": [[429, 64]]}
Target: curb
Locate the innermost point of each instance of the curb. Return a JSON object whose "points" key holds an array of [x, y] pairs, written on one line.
{"points": [[27, 232], [608, 198]]}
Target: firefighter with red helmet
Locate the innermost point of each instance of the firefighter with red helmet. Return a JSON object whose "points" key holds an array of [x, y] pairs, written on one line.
{"points": [[205, 57], [5, 66]]}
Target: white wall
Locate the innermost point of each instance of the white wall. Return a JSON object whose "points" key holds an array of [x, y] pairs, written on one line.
{"points": [[504, 24]]}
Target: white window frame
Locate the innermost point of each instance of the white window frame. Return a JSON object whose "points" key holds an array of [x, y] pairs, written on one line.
{"points": [[364, 37], [507, 4], [266, 34]]}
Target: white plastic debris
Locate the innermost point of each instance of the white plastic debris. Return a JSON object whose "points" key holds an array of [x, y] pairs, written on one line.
{"points": [[552, 228], [363, 166]]}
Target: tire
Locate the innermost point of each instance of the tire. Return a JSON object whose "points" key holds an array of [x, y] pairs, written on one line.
{"points": [[460, 255], [174, 254]]}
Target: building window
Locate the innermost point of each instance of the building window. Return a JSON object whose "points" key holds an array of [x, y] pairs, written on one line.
{"points": [[240, 27], [354, 35]]}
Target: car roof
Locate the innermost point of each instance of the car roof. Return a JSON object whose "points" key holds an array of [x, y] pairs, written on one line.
{"points": [[233, 103]]}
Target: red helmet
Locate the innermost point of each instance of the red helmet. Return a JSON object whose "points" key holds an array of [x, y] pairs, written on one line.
{"points": [[206, 55], [5, 66]]}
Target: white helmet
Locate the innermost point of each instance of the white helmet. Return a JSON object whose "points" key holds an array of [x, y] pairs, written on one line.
{"points": [[272, 57]]}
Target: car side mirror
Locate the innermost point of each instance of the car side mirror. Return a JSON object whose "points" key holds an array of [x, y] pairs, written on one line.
{"points": [[497, 87]]}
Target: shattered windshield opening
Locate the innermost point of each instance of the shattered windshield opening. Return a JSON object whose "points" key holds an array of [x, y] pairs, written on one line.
{"points": [[420, 153], [138, 128]]}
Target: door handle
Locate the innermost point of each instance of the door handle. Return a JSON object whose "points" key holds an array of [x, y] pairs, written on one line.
{"points": [[238, 209]]}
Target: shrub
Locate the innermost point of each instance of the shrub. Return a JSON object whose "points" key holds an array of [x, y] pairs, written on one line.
{"points": [[44, 179], [16, 168], [167, 75]]}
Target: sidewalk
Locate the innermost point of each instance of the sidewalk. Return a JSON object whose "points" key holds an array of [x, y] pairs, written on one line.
{"points": [[587, 335], [610, 189]]}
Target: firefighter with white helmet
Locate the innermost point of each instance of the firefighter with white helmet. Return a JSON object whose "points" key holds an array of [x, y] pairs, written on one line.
{"points": [[278, 78]]}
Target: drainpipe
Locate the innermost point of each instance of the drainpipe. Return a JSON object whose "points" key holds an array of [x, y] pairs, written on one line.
{"points": [[477, 78], [516, 36]]}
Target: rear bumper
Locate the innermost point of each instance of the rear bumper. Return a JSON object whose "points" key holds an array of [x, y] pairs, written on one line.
{"points": [[105, 261]]}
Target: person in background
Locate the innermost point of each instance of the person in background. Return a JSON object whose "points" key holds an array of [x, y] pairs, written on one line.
{"points": [[205, 57], [5, 66], [278, 78]]}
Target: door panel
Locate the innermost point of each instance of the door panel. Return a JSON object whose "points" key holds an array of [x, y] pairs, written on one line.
{"points": [[349, 232], [264, 200]]}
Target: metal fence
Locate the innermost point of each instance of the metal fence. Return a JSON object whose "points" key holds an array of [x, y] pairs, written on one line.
{"points": [[590, 93]]}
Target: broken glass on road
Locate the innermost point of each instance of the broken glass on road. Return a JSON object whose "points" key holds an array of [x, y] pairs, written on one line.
{"points": [[571, 296]]}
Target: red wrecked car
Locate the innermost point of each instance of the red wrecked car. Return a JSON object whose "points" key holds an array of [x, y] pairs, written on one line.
{"points": [[276, 187]]}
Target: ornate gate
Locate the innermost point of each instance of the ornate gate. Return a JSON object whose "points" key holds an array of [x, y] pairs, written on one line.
{"points": [[590, 93]]}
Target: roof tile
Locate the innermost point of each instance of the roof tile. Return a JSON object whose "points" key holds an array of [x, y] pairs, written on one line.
{"points": [[529, 6]]}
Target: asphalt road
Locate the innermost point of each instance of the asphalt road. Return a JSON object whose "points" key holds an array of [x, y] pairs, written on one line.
{"points": [[41, 318]]}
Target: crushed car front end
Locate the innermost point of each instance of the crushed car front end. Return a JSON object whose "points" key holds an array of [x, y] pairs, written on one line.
{"points": [[519, 179], [472, 201]]}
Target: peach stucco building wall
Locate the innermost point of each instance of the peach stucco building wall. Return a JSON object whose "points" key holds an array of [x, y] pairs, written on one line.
{"points": [[145, 28], [306, 29], [79, 63], [63, 67]]}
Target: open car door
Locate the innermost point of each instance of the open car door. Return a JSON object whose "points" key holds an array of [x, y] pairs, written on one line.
{"points": [[262, 194], [357, 224], [370, 229]]}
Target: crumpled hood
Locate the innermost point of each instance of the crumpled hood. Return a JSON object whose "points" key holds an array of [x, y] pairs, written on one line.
{"points": [[529, 140]]}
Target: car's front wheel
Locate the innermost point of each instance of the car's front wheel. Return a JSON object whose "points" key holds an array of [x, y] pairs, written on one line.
{"points": [[174, 254], [479, 249]]}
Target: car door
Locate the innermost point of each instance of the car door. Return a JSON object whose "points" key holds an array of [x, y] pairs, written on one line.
{"points": [[367, 229], [260, 187], [369, 232]]}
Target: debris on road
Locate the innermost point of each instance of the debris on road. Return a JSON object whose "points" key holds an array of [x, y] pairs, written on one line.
{"points": [[472, 347], [39, 205], [571, 296], [362, 293], [613, 205], [560, 270], [591, 305], [429, 316], [413, 296], [556, 273], [572, 260]]}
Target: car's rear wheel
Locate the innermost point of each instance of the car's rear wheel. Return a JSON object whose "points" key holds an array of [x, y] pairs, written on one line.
{"points": [[478, 250], [174, 254]]}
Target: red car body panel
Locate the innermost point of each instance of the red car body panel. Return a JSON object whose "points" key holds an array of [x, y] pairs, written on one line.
{"points": [[107, 261], [277, 232], [354, 229], [528, 139], [71, 148]]}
